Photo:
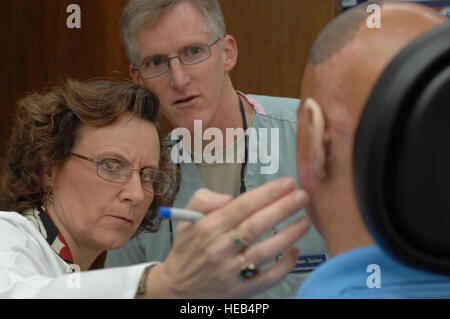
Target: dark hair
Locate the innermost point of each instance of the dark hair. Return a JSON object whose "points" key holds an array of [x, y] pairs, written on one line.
{"points": [[46, 128]]}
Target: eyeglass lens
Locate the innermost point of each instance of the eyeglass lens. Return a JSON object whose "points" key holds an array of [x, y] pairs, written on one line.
{"points": [[118, 171], [189, 55]]}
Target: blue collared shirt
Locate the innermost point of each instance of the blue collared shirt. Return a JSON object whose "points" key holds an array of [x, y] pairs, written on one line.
{"points": [[369, 272]]}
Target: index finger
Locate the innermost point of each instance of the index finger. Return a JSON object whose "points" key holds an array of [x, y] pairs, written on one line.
{"points": [[250, 202], [206, 201]]}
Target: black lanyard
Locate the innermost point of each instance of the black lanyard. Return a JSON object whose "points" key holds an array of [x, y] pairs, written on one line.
{"points": [[243, 188], [244, 126]]}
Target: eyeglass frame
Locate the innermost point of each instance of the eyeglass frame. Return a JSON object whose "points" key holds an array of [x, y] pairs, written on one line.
{"points": [[136, 69], [97, 162]]}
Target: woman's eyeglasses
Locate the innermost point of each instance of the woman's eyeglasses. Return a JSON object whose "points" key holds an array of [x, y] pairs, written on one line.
{"points": [[119, 171]]}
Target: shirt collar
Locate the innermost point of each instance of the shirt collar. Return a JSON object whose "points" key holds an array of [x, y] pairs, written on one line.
{"points": [[44, 224]]}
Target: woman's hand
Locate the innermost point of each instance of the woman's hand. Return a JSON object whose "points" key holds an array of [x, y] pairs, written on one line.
{"points": [[205, 261]]}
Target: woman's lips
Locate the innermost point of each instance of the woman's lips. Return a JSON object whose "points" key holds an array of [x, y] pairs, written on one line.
{"points": [[124, 219]]}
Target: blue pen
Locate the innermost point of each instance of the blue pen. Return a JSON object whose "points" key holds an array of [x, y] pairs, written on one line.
{"points": [[179, 214]]}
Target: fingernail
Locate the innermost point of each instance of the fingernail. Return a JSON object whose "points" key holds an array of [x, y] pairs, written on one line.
{"points": [[287, 183], [304, 222], [223, 199], [301, 196]]}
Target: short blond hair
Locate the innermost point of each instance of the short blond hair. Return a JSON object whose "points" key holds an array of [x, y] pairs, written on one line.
{"points": [[138, 14]]}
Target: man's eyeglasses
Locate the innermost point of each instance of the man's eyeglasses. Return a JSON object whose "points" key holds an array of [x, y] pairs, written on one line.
{"points": [[158, 65], [119, 171]]}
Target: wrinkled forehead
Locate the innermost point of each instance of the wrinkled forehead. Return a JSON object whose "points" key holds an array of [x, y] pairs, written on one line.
{"points": [[181, 12], [181, 26], [129, 133]]}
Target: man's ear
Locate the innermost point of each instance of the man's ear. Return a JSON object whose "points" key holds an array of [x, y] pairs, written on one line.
{"points": [[134, 74], [319, 140], [230, 52]]}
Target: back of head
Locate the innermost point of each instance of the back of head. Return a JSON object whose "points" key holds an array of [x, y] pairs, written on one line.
{"points": [[141, 14], [355, 53], [344, 65]]}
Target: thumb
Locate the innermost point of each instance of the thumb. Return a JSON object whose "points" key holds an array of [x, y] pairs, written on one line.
{"points": [[206, 201]]}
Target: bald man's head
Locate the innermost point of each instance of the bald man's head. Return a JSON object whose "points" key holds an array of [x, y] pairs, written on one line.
{"points": [[344, 64], [338, 33], [349, 56]]}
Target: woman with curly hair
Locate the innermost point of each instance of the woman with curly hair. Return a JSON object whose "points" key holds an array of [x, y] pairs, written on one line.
{"points": [[86, 169], [70, 171]]}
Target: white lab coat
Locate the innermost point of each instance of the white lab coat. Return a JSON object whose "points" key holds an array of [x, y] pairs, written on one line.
{"points": [[29, 268]]}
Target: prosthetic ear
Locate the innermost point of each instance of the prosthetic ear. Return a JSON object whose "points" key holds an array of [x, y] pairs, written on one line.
{"points": [[402, 154], [316, 127]]}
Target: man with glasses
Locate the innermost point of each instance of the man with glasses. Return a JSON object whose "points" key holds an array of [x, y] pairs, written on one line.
{"points": [[180, 51]]}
